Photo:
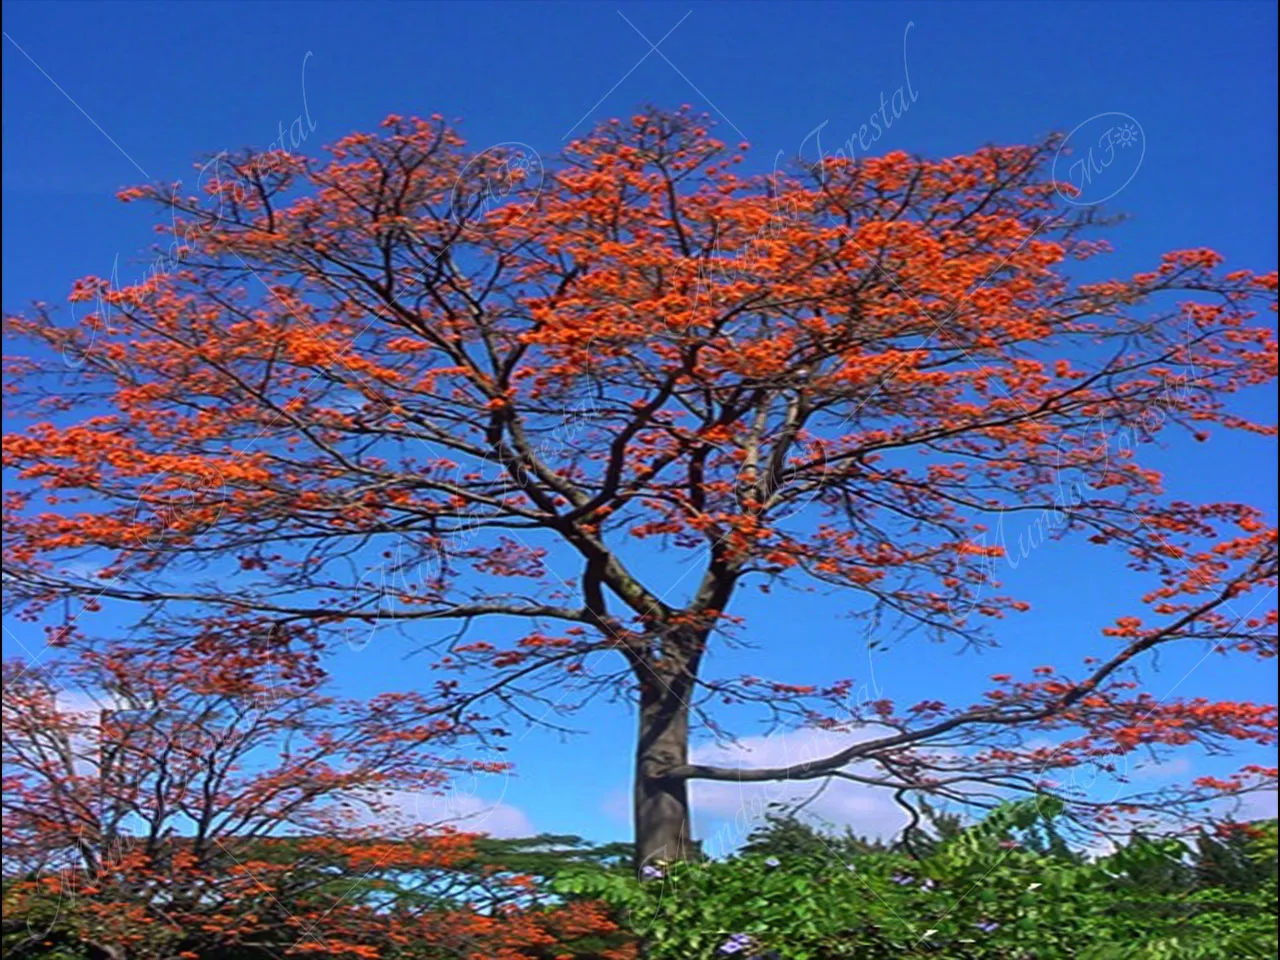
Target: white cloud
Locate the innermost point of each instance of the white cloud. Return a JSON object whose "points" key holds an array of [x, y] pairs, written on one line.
{"points": [[467, 812], [725, 812], [1160, 769], [83, 711], [84, 702], [459, 804], [1099, 846], [1252, 806]]}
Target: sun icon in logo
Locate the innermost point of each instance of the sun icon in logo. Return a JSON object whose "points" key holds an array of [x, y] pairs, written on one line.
{"points": [[1127, 135]]}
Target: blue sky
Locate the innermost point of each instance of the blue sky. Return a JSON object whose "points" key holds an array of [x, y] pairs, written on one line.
{"points": [[98, 96]]}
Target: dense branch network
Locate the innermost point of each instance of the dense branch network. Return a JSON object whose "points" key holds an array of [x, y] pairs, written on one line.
{"points": [[412, 385]]}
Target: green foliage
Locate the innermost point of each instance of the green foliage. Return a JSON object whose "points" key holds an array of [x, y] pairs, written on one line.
{"points": [[546, 855], [49, 927], [1264, 847], [1237, 859], [1005, 888], [784, 834]]}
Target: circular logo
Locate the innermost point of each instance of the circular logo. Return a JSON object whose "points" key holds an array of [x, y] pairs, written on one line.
{"points": [[177, 504], [1099, 158], [785, 491], [505, 173]]}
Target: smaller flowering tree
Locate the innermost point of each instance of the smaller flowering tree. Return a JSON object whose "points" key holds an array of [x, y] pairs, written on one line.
{"points": [[209, 799]]}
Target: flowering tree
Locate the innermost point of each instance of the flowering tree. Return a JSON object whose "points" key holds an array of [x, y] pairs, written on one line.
{"points": [[208, 801], [448, 392]]}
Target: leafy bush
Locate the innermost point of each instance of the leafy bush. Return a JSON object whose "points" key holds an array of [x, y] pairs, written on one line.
{"points": [[1005, 889], [991, 891]]}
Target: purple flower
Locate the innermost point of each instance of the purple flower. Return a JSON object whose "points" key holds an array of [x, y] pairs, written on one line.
{"points": [[988, 926], [735, 944], [650, 872], [773, 862], [901, 879], [927, 885]]}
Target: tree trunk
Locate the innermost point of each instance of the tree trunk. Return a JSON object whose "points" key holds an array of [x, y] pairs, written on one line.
{"points": [[662, 828]]}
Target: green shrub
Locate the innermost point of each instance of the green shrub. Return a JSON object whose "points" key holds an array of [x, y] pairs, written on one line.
{"points": [[991, 891]]}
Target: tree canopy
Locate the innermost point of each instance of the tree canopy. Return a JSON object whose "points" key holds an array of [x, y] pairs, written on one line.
{"points": [[419, 387]]}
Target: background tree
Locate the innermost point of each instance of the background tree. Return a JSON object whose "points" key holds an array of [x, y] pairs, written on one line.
{"points": [[214, 803], [460, 395], [1227, 857], [784, 833]]}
